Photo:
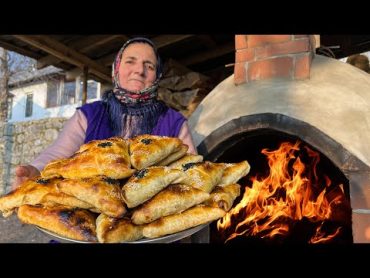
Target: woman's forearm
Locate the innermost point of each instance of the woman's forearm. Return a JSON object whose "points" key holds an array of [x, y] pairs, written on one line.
{"points": [[185, 136]]}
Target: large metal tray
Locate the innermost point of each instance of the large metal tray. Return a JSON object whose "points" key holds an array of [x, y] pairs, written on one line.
{"points": [[165, 239]]}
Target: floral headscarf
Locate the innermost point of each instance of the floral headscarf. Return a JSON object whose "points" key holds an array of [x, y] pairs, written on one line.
{"points": [[125, 95], [130, 115]]}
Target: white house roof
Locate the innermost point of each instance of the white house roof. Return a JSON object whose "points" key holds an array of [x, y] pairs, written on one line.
{"points": [[24, 76]]}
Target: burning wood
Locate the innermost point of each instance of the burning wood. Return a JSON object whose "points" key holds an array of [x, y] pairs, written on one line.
{"points": [[291, 193]]}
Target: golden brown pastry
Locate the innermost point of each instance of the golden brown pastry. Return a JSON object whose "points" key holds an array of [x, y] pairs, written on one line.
{"points": [[147, 150], [113, 230], [174, 156], [57, 199], [145, 183], [16, 197], [174, 223], [107, 157], [173, 199], [52, 169], [188, 158], [224, 197], [103, 193], [234, 172], [204, 175], [75, 224], [38, 191]]}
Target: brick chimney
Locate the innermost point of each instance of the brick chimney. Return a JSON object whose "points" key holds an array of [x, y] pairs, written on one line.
{"points": [[259, 57]]}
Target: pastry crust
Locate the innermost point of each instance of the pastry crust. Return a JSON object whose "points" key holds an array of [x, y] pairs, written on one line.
{"points": [[173, 199], [107, 157], [174, 156], [174, 223], [224, 197], [144, 184], [52, 169], [188, 158], [204, 175], [234, 172], [113, 230], [104, 194], [37, 191], [75, 224], [147, 150]]}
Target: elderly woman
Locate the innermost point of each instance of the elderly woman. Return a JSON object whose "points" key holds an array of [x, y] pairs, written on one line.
{"points": [[129, 109]]}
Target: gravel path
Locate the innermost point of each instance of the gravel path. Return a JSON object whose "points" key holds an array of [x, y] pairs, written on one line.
{"points": [[13, 231]]}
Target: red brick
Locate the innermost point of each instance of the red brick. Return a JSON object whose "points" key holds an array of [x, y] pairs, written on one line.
{"points": [[244, 55], [239, 73], [274, 67], [241, 41], [260, 40], [314, 43], [290, 47], [302, 66]]}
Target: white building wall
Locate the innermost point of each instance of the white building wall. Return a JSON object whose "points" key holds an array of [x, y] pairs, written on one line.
{"points": [[19, 102], [39, 110]]}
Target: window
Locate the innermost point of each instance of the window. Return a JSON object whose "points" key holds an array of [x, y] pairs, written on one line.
{"points": [[52, 93], [29, 104], [69, 93], [92, 89], [63, 92]]}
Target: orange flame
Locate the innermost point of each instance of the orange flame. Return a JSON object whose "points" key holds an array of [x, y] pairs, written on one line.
{"points": [[286, 194]]}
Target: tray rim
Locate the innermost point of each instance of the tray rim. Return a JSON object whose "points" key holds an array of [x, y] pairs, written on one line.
{"points": [[164, 239]]}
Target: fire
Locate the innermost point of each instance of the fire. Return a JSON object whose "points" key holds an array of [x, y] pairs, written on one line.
{"points": [[288, 194]]}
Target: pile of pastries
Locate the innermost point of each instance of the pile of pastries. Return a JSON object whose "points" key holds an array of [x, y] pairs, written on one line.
{"points": [[122, 190]]}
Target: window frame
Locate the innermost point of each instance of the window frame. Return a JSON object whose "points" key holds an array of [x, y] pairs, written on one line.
{"points": [[29, 105]]}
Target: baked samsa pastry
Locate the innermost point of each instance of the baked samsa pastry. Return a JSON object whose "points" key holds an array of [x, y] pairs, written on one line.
{"points": [[224, 197], [107, 157], [52, 169], [75, 224], [234, 172], [113, 230], [145, 183], [174, 223], [173, 199], [101, 192], [188, 158], [37, 191], [17, 197], [204, 175], [62, 199], [147, 150], [174, 156]]}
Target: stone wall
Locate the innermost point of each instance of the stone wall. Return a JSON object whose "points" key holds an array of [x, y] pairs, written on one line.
{"points": [[21, 142]]}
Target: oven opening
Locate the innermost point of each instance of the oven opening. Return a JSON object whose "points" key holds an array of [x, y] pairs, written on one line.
{"points": [[292, 194]]}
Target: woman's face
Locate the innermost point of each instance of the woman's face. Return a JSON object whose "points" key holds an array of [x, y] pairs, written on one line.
{"points": [[137, 70]]}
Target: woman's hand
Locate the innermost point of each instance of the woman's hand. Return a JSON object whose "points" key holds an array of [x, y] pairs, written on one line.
{"points": [[23, 173]]}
